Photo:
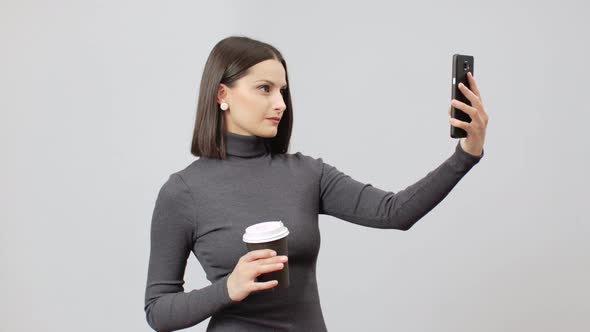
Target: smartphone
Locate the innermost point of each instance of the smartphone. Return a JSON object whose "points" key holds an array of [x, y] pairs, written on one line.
{"points": [[462, 64]]}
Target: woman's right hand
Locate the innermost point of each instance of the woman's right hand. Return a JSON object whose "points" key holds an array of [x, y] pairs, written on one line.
{"points": [[241, 281]]}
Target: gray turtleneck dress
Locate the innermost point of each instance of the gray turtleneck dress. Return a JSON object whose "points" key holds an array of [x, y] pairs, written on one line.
{"points": [[205, 208]]}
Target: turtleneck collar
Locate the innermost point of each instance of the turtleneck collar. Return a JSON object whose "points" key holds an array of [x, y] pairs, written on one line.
{"points": [[245, 146]]}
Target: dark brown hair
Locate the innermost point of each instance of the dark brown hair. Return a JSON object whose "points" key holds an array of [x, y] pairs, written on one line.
{"points": [[228, 61]]}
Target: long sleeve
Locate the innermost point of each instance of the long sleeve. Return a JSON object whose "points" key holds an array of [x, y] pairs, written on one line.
{"points": [[346, 198], [167, 306]]}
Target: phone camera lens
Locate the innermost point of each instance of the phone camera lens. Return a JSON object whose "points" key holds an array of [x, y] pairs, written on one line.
{"points": [[465, 65]]}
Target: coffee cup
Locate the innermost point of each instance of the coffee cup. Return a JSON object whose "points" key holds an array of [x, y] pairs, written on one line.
{"points": [[270, 235]]}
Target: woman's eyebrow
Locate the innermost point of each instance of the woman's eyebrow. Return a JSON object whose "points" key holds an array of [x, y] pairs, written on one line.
{"points": [[271, 82]]}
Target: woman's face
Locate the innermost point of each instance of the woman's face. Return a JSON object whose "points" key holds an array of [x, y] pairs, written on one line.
{"points": [[255, 98]]}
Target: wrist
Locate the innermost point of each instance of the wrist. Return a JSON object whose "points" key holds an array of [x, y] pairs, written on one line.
{"points": [[476, 152], [229, 290]]}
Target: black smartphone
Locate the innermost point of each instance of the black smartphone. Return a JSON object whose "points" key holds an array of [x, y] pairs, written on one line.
{"points": [[462, 64]]}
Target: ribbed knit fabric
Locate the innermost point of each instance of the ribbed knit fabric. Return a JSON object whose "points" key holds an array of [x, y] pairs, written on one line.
{"points": [[205, 208]]}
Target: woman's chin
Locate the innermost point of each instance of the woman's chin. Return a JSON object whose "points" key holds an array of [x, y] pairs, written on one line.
{"points": [[269, 131]]}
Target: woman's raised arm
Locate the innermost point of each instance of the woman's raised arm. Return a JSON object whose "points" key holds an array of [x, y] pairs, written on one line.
{"points": [[343, 197]]}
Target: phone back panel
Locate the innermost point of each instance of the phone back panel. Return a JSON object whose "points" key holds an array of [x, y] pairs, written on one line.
{"points": [[462, 64]]}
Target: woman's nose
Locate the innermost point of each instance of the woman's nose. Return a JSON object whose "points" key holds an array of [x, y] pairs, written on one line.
{"points": [[280, 104]]}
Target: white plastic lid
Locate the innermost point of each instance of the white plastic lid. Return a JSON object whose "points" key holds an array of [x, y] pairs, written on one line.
{"points": [[265, 232]]}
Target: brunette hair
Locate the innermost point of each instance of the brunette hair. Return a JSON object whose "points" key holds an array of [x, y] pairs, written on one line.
{"points": [[229, 60]]}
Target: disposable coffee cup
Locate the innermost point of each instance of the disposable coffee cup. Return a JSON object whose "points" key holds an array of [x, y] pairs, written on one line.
{"points": [[270, 235]]}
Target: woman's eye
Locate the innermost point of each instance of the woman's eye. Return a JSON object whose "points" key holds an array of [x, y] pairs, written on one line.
{"points": [[283, 91]]}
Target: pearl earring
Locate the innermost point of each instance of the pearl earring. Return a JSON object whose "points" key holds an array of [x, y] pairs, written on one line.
{"points": [[224, 106]]}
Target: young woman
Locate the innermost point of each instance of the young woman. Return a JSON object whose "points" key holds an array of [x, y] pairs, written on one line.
{"points": [[245, 176]]}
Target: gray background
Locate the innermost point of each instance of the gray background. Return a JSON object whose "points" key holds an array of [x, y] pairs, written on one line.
{"points": [[98, 102]]}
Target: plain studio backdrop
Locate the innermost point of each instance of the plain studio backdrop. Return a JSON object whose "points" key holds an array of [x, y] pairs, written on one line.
{"points": [[98, 103]]}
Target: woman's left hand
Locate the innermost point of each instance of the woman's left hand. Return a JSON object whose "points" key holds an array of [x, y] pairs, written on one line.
{"points": [[476, 129]]}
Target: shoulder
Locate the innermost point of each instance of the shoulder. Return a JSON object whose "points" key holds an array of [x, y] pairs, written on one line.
{"points": [[304, 157], [174, 201], [177, 181], [174, 186], [199, 168], [303, 161]]}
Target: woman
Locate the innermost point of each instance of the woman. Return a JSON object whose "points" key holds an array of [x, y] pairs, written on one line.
{"points": [[244, 176]]}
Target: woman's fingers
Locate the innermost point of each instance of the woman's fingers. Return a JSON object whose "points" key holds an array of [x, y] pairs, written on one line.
{"points": [[474, 95], [257, 254], [261, 269], [470, 110], [473, 98], [479, 118], [474, 113], [473, 84], [460, 124], [275, 259], [265, 285]]}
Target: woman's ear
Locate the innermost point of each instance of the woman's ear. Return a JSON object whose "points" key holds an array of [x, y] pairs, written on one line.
{"points": [[222, 93]]}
